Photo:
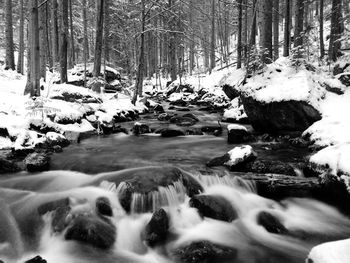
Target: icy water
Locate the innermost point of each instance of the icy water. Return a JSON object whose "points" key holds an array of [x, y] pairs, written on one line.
{"points": [[24, 233]]}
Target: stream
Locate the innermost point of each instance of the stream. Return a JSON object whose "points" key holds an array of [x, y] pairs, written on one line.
{"points": [[94, 168]]}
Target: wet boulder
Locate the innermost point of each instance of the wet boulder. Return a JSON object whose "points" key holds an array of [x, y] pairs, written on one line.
{"points": [[262, 166], [280, 116], [7, 166], [56, 139], [92, 231], [37, 259], [156, 230], [104, 207], [204, 252], [37, 162], [168, 132], [146, 181], [140, 128], [164, 117], [237, 134], [214, 206], [230, 91], [271, 223], [183, 121]]}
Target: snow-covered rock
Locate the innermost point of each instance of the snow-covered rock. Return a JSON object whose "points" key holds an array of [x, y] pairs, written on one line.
{"points": [[237, 133], [240, 154], [235, 113], [284, 97], [235, 157], [331, 252]]}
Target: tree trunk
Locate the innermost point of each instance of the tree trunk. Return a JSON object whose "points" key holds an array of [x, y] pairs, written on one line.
{"points": [[239, 35], [33, 82], [286, 38], [191, 54], [266, 31], [172, 43], [10, 58], [212, 39], [63, 11], [54, 32], [42, 36], [85, 43], [99, 37], [106, 31], [275, 29], [20, 62], [336, 30], [321, 29], [140, 73], [253, 26], [298, 29], [71, 42]]}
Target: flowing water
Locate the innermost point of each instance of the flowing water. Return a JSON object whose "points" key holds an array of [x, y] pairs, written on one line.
{"points": [[24, 233]]}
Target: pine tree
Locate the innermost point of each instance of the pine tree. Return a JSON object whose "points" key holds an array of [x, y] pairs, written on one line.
{"points": [[10, 58]]}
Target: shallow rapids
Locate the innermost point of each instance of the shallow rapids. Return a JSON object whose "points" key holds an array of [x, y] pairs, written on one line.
{"points": [[25, 233]]}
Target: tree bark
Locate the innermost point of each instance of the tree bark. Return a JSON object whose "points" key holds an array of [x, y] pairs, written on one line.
{"points": [[33, 82], [86, 42], [266, 31], [172, 43], [191, 52], [212, 39], [321, 4], [71, 42], [20, 61], [99, 37], [275, 29], [239, 35], [106, 31], [298, 29], [54, 32], [286, 38], [42, 36], [10, 58], [140, 73], [63, 14], [336, 30]]}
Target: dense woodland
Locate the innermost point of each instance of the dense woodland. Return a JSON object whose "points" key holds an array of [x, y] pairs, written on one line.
{"points": [[166, 38]]}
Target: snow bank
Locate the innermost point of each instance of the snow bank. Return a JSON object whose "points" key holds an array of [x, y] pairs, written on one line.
{"points": [[331, 252], [236, 127]]}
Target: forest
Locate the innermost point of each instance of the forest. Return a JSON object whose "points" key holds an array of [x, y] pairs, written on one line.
{"points": [[174, 131]]}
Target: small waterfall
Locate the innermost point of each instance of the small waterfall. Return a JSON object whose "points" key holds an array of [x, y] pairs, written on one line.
{"points": [[227, 180], [171, 195]]}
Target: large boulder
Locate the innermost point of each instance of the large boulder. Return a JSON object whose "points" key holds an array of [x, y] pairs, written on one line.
{"points": [[230, 91], [156, 230], [204, 252], [280, 116], [37, 162], [140, 128], [92, 231], [214, 206], [145, 183], [284, 97]]}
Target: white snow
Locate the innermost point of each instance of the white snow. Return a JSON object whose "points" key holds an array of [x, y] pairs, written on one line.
{"points": [[236, 127], [331, 252], [235, 111], [281, 81], [240, 153]]}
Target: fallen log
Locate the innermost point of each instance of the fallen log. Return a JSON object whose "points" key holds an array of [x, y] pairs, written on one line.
{"points": [[277, 187]]}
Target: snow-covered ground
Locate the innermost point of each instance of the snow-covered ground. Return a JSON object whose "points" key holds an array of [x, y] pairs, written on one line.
{"points": [[19, 112]]}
